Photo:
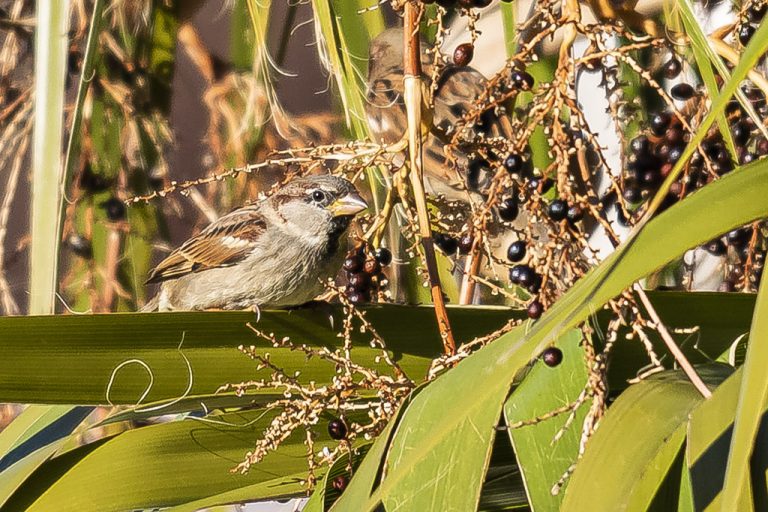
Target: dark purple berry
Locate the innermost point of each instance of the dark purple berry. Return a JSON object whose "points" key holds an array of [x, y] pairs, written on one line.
{"points": [[639, 145], [757, 11], [115, 209], [81, 246], [521, 79], [508, 209], [465, 244], [526, 275], [340, 483], [660, 123], [516, 251], [353, 263], [674, 134], [383, 256], [514, 274], [682, 91], [337, 429], [748, 158], [360, 282], [371, 267], [745, 33], [575, 214], [674, 154], [463, 54], [514, 163], [358, 297], [631, 195], [552, 356], [558, 210], [535, 309], [726, 287], [741, 134], [672, 68], [446, 243]]}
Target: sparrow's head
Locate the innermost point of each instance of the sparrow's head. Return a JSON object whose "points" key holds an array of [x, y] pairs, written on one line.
{"points": [[319, 204]]}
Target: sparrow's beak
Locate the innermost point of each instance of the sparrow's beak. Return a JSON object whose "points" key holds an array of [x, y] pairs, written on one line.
{"points": [[350, 204]]}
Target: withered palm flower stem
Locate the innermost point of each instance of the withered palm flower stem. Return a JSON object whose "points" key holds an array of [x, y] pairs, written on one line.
{"points": [[413, 101]]}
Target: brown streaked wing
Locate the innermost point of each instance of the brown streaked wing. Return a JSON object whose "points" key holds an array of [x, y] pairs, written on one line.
{"points": [[225, 242]]}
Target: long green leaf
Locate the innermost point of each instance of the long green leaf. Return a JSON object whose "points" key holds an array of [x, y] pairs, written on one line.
{"points": [[33, 437], [168, 464], [615, 474], [709, 433], [543, 459], [70, 359], [752, 402]]}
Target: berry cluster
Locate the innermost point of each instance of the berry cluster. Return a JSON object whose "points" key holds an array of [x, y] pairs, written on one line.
{"points": [[654, 153], [745, 258], [364, 272]]}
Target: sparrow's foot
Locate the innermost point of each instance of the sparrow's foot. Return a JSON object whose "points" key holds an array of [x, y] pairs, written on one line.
{"points": [[322, 307]]}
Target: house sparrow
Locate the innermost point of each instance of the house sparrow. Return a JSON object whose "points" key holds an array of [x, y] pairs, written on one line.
{"points": [[273, 253], [457, 89]]}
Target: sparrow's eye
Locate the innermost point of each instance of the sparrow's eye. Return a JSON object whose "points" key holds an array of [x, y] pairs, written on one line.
{"points": [[318, 196]]}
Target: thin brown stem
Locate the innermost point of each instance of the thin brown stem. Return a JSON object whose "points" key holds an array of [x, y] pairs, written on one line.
{"points": [[680, 358], [413, 103]]}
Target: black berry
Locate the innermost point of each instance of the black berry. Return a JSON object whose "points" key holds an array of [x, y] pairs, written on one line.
{"points": [[115, 209], [465, 244], [337, 429], [81, 246], [535, 309], [525, 275], [575, 214], [508, 209], [639, 145], [552, 356], [383, 256], [521, 79], [558, 210], [745, 33], [360, 282], [514, 163], [757, 11], [353, 263], [446, 243], [660, 123], [672, 68], [682, 91], [516, 251], [741, 133]]}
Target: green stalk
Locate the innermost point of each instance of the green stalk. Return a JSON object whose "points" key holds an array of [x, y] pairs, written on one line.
{"points": [[510, 30], [47, 169]]}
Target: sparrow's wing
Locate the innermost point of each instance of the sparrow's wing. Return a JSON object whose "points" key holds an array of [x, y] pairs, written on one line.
{"points": [[225, 242], [457, 90]]}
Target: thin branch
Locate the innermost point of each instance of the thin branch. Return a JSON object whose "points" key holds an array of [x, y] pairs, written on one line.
{"points": [[680, 358], [413, 103]]}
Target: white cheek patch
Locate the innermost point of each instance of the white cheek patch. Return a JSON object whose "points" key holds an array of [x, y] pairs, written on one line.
{"points": [[232, 242]]}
